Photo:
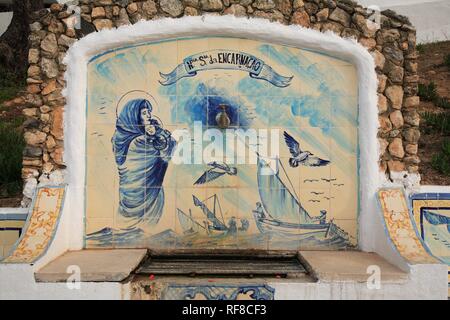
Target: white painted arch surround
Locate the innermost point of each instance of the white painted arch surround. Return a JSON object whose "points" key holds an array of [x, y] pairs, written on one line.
{"points": [[372, 237]]}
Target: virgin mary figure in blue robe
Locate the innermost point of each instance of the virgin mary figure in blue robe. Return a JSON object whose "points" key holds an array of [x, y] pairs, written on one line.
{"points": [[143, 149]]}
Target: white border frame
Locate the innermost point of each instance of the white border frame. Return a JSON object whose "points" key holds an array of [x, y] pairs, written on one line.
{"points": [[371, 234]]}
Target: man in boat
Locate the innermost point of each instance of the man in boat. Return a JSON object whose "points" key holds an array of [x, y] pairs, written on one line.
{"points": [[232, 226], [207, 228], [244, 225], [323, 217], [259, 211]]}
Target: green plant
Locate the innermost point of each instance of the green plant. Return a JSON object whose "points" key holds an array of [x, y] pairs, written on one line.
{"points": [[441, 103], [428, 92], [441, 161], [420, 48], [10, 84], [436, 122], [447, 60], [11, 148]]}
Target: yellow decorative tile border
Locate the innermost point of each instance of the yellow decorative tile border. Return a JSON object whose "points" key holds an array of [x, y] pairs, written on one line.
{"points": [[400, 227], [40, 227]]}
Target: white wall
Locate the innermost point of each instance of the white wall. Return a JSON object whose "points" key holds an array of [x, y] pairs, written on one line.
{"points": [[17, 282], [425, 282]]}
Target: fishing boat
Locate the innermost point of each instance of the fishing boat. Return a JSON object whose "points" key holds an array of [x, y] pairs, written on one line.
{"points": [[188, 224], [213, 224], [280, 212]]}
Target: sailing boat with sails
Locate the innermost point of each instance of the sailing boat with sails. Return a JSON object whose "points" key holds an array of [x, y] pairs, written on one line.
{"points": [[213, 225], [280, 211], [188, 224]]}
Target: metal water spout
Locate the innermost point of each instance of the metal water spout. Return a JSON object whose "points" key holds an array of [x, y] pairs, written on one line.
{"points": [[222, 118]]}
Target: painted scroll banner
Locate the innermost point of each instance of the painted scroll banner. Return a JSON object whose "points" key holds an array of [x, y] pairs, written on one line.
{"points": [[225, 59]]}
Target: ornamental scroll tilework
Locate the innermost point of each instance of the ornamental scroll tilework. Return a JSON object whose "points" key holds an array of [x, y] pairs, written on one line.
{"points": [[218, 292], [163, 173], [401, 227], [431, 212], [40, 227]]}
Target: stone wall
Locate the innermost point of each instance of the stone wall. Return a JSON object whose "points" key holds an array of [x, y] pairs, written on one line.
{"points": [[392, 46]]}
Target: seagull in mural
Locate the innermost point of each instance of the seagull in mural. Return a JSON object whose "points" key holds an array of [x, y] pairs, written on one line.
{"points": [[305, 158], [310, 180], [216, 171]]}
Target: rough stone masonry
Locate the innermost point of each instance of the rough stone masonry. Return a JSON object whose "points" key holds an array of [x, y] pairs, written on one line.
{"points": [[393, 47]]}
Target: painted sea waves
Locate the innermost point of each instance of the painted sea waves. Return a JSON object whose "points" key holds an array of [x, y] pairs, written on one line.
{"points": [[304, 195], [436, 232]]}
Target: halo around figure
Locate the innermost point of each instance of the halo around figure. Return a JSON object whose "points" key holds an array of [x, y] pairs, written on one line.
{"points": [[136, 94]]}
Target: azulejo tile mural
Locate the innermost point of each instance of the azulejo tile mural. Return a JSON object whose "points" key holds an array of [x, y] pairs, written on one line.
{"points": [[218, 292], [431, 213], [221, 143], [155, 290]]}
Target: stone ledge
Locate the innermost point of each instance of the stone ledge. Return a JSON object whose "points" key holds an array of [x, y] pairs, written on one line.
{"points": [[113, 265], [349, 266], [116, 265]]}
